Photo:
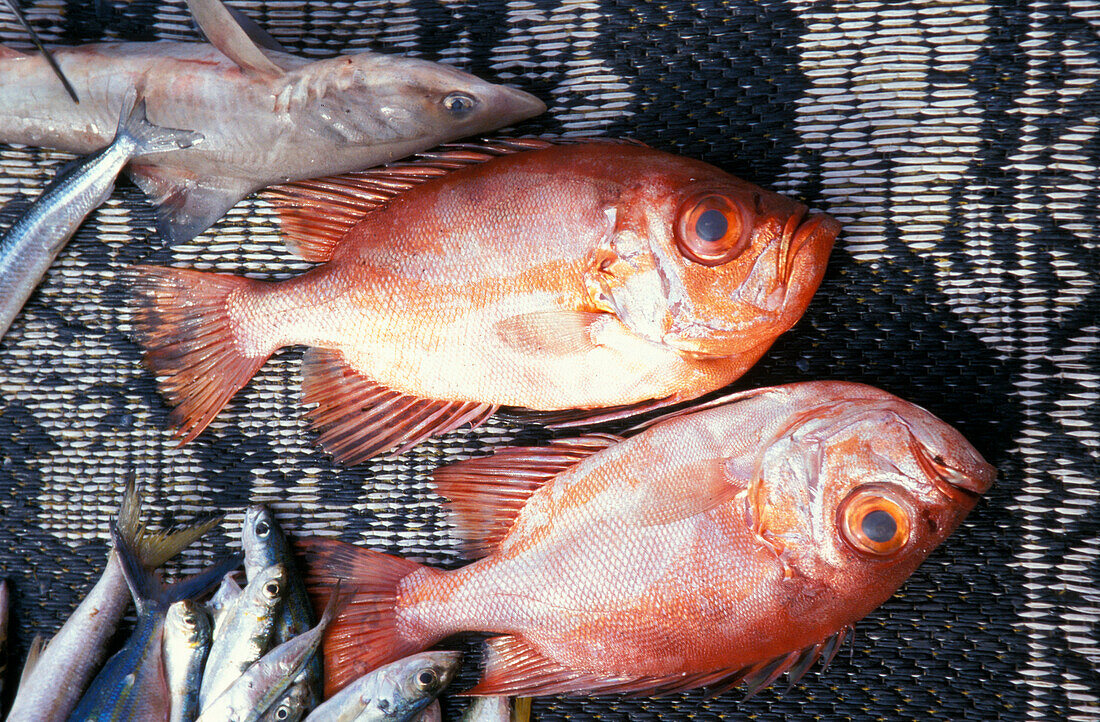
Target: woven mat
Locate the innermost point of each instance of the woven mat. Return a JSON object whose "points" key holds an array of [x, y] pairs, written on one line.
{"points": [[956, 141]]}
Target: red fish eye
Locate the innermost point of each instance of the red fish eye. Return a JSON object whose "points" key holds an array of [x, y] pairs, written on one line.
{"points": [[712, 229], [873, 523]]}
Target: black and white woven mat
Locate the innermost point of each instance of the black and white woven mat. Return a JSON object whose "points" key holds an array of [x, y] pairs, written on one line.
{"points": [[957, 142]]}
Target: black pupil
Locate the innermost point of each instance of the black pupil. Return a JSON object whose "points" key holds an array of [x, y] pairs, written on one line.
{"points": [[426, 678], [711, 226], [879, 526], [261, 528]]}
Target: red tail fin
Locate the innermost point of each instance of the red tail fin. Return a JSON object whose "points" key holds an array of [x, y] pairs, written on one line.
{"points": [[365, 635], [182, 321]]}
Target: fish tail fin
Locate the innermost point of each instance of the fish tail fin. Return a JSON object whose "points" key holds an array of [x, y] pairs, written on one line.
{"points": [[154, 548], [147, 137], [147, 589], [182, 320], [365, 633]]}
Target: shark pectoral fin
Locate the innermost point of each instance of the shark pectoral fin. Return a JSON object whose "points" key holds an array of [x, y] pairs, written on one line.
{"points": [[226, 34], [186, 205]]}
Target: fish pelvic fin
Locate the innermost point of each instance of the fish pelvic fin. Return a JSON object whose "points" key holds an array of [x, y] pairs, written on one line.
{"points": [[486, 494], [357, 419], [153, 548], [150, 138], [186, 205], [182, 320], [364, 634]]}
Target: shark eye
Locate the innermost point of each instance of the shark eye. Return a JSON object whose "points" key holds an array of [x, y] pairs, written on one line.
{"points": [[713, 229], [872, 522], [459, 104]]}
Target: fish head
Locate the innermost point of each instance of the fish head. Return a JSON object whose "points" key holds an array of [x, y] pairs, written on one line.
{"points": [[711, 265], [402, 105], [261, 538], [857, 487], [412, 683], [186, 621]]}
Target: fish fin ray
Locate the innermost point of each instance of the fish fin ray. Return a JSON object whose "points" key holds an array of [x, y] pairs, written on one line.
{"points": [[559, 333], [154, 548], [182, 321], [487, 493], [356, 418], [577, 418], [364, 634], [186, 205], [224, 32]]}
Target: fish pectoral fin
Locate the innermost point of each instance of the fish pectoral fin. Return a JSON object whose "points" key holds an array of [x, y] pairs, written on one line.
{"points": [[559, 333], [486, 494], [186, 205], [357, 418], [224, 32], [687, 490]]}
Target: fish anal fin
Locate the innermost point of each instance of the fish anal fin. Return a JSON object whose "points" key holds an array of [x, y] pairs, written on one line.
{"points": [[487, 493], [226, 34], [357, 419], [186, 204]]}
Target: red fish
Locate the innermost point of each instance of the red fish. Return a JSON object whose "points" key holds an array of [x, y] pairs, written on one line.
{"points": [[579, 276], [725, 545]]}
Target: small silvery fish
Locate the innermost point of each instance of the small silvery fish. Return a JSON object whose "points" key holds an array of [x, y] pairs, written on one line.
{"points": [[498, 709], [29, 247], [187, 637], [265, 545], [596, 275], [132, 685], [397, 692], [724, 545], [266, 116], [245, 634], [266, 681], [53, 684], [223, 599]]}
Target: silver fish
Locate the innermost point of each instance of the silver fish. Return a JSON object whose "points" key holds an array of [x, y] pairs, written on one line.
{"points": [[245, 635], [267, 117], [34, 240], [132, 685], [264, 684], [265, 545], [223, 599], [395, 692], [54, 684], [498, 709], [293, 705], [187, 631], [22, 19]]}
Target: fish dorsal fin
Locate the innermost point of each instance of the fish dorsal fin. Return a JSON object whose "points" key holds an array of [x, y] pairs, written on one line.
{"points": [[315, 214], [514, 666], [225, 33], [357, 418], [487, 493], [186, 205]]}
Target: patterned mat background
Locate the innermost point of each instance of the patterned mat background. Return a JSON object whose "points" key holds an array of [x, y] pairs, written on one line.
{"points": [[956, 141]]}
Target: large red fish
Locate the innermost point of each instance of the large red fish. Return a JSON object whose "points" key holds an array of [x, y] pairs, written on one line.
{"points": [[729, 544], [522, 274]]}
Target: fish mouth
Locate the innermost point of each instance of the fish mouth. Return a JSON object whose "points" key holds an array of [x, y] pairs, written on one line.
{"points": [[802, 229], [963, 486]]}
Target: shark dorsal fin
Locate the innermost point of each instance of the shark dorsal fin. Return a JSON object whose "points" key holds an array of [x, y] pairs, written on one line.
{"points": [[226, 34]]}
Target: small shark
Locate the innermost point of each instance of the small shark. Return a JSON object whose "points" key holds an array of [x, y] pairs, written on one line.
{"points": [[266, 116]]}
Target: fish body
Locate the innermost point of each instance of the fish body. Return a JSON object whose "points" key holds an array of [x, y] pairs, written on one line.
{"points": [[133, 683], [29, 247], [246, 633], [396, 692], [729, 544], [51, 688], [187, 633], [266, 116], [497, 709], [576, 276]]}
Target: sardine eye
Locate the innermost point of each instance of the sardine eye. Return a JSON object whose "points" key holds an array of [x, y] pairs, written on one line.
{"points": [[713, 229], [426, 678], [262, 528], [459, 104], [872, 522], [271, 589]]}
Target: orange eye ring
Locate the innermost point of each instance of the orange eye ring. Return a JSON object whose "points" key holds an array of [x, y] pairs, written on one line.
{"points": [[712, 229], [872, 522]]}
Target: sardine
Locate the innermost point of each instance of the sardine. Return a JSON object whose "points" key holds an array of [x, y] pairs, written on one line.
{"points": [[520, 273], [132, 685], [397, 692], [266, 682], [13, 5], [246, 633], [223, 599], [52, 688], [265, 545], [29, 247], [498, 709], [187, 637], [266, 116], [722, 546]]}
